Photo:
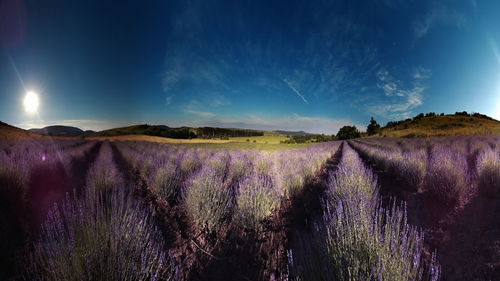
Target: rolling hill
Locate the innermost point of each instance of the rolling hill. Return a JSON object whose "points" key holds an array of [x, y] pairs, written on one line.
{"points": [[59, 131], [178, 133], [8, 132], [456, 124]]}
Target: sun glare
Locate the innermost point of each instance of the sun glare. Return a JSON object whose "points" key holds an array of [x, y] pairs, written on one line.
{"points": [[31, 102]]}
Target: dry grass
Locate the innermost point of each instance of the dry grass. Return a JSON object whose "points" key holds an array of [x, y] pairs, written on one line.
{"points": [[11, 133], [271, 139], [444, 126]]}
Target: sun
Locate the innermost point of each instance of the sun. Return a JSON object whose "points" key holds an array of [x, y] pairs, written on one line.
{"points": [[31, 102]]}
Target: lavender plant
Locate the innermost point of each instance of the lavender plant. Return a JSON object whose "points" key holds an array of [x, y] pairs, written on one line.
{"points": [[377, 246], [357, 238], [96, 239], [208, 201], [352, 179], [104, 174], [256, 200], [488, 170], [446, 179], [167, 182]]}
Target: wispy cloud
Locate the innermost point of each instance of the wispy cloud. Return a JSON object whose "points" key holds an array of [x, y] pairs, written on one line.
{"points": [[439, 14], [400, 97], [168, 100], [295, 91], [420, 73], [217, 100]]}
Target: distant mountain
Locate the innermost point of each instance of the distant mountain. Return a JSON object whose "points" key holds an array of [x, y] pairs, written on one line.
{"points": [[292, 133], [59, 131], [430, 124]]}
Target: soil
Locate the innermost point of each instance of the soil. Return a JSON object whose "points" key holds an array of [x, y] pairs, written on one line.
{"points": [[233, 253], [466, 238]]}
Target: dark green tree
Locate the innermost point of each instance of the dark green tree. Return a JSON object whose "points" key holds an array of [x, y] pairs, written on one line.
{"points": [[373, 128], [348, 132]]}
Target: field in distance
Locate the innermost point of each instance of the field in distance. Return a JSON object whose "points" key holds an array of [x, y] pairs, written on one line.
{"points": [[269, 141]]}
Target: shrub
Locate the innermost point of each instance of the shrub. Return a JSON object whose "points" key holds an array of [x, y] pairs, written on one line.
{"points": [[255, 201], [488, 170], [219, 162], [354, 244], [103, 174], [189, 163], [352, 179], [382, 246], [96, 239], [12, 183], [208, 201], [412, 169], [240, 166], [167, 182], [446, 177]]}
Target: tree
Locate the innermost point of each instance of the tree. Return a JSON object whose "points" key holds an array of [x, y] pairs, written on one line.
{"points": [[348, 132], [373, 128]]}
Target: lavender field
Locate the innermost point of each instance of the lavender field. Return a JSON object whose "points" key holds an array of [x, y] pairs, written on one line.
{"points": [[363, 209]]}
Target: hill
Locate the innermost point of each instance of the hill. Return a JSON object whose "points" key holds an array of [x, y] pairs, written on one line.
{"points": [[59, 131], [8, 132], [177, 133], [460, 123]]}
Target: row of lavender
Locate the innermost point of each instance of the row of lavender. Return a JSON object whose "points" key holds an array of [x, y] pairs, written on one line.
{"points": [[213, 185], [357, 238], [101, 233], [450, 170], [32, 177], [19, 160]]}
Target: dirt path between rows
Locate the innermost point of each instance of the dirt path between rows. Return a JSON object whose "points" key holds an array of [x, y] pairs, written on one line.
{"points": [[467, 240], [235, 254]]}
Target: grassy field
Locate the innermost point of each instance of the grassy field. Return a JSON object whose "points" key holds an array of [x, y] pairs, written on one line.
{"points": [[265, 139], [266, 142]]}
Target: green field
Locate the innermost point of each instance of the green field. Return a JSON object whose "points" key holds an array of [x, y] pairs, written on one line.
{"points": [[246, 145]]}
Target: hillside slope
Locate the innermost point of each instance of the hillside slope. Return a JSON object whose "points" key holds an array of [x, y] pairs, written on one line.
{"points": [[58, 130], [178, 133], [8, 133], [446, 125]]}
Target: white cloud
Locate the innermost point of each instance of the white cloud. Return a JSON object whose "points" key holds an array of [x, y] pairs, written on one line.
{"points": [[400, 97], [168, 100], [439, 14], [216, 100], [421, 73], [295, 91]]}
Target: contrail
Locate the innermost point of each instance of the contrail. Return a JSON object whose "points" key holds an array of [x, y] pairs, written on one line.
{"points": [[295, 90]]}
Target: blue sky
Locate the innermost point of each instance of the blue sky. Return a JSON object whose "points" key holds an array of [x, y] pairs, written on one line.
{"points": [[293, 65]]}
